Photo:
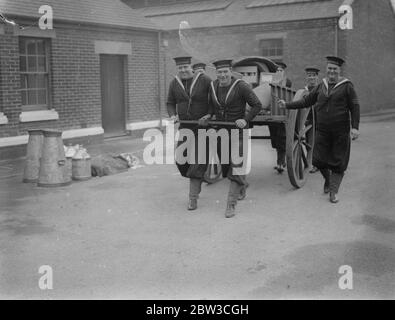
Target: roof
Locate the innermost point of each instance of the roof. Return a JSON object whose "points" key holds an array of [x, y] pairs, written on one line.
{"points": [[105, 12], [217, 13], [198, 6]]}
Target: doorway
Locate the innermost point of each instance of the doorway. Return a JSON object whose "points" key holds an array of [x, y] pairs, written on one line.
{"points": [[112, 75]]}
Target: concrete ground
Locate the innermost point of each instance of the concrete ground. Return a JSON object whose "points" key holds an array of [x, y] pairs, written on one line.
{"points": [[130, 236]]}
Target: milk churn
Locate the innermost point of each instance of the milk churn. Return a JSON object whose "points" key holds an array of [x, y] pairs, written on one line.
{"points": [[70, 152], [81, 165], [53, 171], [33, 155]]}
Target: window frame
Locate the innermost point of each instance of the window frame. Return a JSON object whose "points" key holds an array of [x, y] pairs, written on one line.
{"points": [[47, 55], [275, 57]]}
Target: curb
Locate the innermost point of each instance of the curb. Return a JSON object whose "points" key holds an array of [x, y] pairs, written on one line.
{"points": [[378, 116]]}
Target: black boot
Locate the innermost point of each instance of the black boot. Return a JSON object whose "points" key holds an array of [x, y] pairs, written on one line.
{"points": [[233, 195], [230, 210], [333, 197], [192, 205], [280, 161], [327, 176], [335, 181], [195, 186], [243, 192]]}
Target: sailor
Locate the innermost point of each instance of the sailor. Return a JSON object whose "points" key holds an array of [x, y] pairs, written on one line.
{"points": [[277, 131], [312, 81], [229, 98], [188, 100], [199, 67], [284, 80], [338, 114]]}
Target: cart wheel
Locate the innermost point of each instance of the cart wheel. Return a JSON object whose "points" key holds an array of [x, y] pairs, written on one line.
{"points": [[213, 172], [299, 145]]}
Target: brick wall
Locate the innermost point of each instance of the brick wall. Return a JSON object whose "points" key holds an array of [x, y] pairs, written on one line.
{"points": [[75, 70], [305, 42], [369, 49], [371, 52], [10, 82]]}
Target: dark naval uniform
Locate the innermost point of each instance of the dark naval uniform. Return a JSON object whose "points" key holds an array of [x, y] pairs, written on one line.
{"points": [[311, 115], [229, 104], [189, 100], [336, 109], [278, 135]]}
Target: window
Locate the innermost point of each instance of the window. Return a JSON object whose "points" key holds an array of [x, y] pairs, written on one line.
{"points": [[34, 73], [272, 48]]}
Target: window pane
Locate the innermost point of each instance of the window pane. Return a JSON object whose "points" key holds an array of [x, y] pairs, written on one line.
{"points": [[24, 97], [22, 46], [42, 97], [41, 47], [31, 81], [32, 97], [41, 81], [32, 63], [272, 52], [41, 64], [31, 47], [22, 63], [23, 81]]}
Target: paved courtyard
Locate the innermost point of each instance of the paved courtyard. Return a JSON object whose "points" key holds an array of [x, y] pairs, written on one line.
{"points": [[130, 236]]}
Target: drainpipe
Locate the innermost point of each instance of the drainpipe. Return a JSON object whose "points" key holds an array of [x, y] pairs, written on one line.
{"points": [[343, 7], [336, 38], [159, 78]]}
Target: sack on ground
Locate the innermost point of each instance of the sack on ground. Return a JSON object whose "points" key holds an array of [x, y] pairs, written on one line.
{"points": [[105, 165]]}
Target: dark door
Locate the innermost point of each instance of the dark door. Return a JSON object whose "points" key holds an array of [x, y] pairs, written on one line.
{"points": [[113, 94]]}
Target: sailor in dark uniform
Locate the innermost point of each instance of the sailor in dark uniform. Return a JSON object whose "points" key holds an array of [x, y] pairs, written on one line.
{"points": [[188, 100], [229, 98], [337, 109], [312, 81], [277, 131], [199, 67], [285, 81]]}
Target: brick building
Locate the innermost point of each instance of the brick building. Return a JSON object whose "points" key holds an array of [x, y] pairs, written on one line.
{"points": [[299, 32], [95, 74]]}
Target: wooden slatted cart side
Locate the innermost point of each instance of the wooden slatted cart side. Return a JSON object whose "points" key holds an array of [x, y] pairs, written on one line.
{"points": [[272, 113], [300, 132]]}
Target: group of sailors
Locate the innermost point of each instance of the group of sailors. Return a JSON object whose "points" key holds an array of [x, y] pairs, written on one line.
{"points": [[193, 95]]}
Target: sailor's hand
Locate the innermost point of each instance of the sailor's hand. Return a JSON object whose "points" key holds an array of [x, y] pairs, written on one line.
{"points": [[174, 118], [203, 121], [281, 104], [354, 134], [241, 123]]}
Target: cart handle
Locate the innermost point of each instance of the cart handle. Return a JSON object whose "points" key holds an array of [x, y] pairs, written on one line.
{"points": [[221, 123]]}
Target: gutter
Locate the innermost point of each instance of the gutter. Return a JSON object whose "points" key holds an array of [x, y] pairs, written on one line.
{"points": [[74, 22], [254, 23]]}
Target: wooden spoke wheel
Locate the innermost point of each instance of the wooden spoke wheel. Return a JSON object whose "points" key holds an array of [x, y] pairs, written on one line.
{"points": [[214, 171], [299, 145]]}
